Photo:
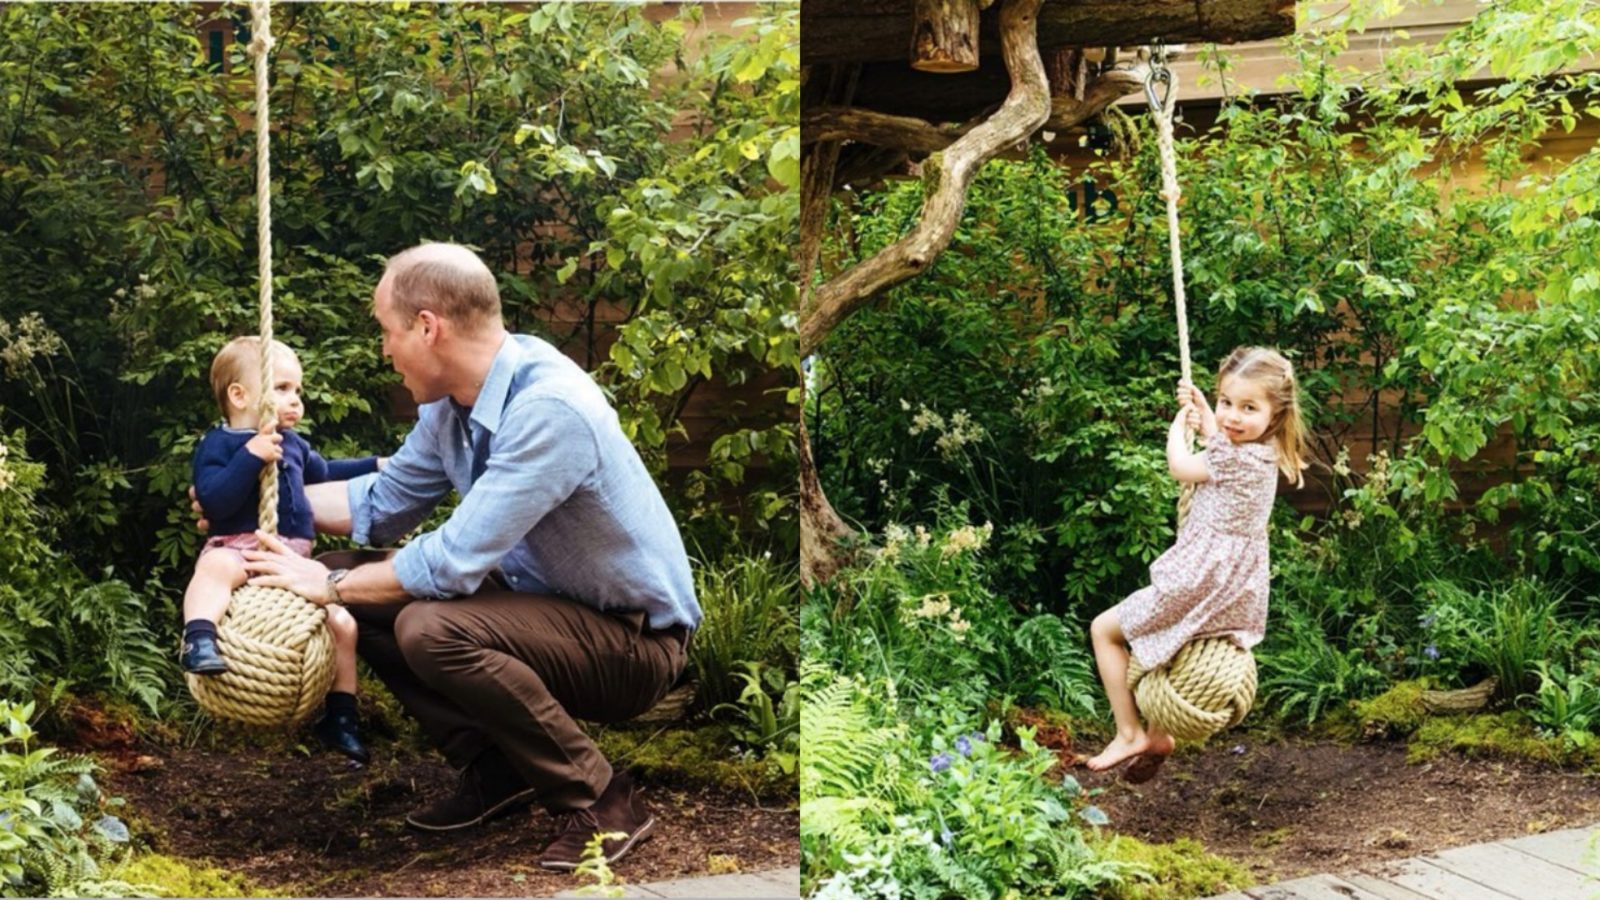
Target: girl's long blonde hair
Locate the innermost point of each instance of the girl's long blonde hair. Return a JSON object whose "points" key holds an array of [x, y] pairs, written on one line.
{"points": [[1275, 374]]}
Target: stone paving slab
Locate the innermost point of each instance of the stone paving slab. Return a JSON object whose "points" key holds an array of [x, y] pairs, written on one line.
{"points": [[1559, 865], [758, 886]]}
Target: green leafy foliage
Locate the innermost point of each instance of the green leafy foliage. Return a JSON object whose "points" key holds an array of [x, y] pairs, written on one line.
{"points": [[624, 175], [904, 787], [56, 832], [1399, 233], [59, 631], [750, 618]]}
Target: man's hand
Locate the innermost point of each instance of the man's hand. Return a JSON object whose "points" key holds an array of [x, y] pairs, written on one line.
{"points": [[200, 520], [267, 445], [277, 566]]}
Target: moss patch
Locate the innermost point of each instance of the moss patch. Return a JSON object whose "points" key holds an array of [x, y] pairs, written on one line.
{"points": [[178, 877], [1181, 869], [704, 756], [1510, 734], [1394, 713]]}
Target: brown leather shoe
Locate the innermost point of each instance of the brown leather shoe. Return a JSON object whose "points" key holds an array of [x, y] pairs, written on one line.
{"points": [[489, 787], [618, 811]]}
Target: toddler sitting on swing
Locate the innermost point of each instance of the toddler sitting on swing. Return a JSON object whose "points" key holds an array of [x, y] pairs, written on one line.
{"points": [[1213, 581], [227, 480]]}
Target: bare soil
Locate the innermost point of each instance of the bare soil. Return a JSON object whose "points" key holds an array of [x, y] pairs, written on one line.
{"points": [[318, 825], [1289, 808]]}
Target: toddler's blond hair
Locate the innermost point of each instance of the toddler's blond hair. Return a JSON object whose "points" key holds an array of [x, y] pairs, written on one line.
{"points": [[239, 362]]}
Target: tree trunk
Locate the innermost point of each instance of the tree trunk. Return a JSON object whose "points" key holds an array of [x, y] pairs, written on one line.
{"points": [[948, 175], [944, 36], [821, 529]]}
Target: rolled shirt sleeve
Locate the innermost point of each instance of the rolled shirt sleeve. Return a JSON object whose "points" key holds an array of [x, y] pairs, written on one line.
{"points": [[543, 452]]}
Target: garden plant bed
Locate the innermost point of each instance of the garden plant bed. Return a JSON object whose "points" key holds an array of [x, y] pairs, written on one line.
{"points": [[1300, 807], [318, 826]]}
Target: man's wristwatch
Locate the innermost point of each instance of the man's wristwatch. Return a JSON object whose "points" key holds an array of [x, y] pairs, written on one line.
{"points": [[334, 577]]}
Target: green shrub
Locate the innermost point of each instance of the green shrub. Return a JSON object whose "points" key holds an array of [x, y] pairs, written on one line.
{"points": [[888, 812], [1567, 704], [57, 832], [58, 632], [749, 604], [1306, 672]]}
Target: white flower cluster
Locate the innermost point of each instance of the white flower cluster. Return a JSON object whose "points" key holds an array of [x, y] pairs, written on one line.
{"points": [[1377, 480], [1043, 390], [6, 475], [897, 536], [966, 539], [953, 434], [21, 342], [938, 606]]}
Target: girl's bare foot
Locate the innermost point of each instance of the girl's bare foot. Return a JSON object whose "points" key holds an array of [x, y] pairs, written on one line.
{"points": [[1121, 749]]}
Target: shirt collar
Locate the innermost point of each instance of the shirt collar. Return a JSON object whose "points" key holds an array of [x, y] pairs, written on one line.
{"points": [[496, 385]]}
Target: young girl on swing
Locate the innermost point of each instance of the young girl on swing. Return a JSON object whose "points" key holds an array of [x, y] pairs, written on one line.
{"points": [[1213, 581]]}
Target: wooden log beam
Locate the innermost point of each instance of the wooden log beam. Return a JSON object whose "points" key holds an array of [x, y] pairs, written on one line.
{"points": [[918, 136], [947, 176], [944, 35], [880, 30]]}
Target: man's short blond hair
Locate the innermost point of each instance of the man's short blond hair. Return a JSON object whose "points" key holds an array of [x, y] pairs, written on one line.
{"points": [[239, 362], [448, 279]]}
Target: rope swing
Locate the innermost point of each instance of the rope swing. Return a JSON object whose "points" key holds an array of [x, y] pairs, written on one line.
{"points": [[278, 648], [1211, 682]]}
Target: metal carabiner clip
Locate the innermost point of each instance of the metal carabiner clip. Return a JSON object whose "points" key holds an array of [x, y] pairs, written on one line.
{"points": [[1158, 72]]}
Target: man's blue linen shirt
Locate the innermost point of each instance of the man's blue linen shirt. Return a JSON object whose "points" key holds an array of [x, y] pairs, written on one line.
{"points": [[553, 495]]}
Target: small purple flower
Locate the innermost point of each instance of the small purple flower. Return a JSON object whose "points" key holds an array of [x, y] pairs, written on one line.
{"points": [[978, 736], [945, 837], [1427, 621], [963, 746], [1430, 652], [1237, 749], [939, 762]]}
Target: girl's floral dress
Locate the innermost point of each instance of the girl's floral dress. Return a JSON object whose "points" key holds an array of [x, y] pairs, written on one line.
{"points": [[1213, 581]]}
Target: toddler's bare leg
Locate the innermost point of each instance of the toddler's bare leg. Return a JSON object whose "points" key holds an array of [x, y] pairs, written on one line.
{"points": [[343, 626], [216, 576]]}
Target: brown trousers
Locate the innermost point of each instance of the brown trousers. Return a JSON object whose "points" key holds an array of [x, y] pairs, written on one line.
{"points": [[513, 671]]}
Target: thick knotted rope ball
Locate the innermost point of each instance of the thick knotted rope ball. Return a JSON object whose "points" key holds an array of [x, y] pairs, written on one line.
{"points": [[280, 659], [1207, 687]]}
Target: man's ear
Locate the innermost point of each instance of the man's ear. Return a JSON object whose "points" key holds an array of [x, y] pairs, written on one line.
{"points": [[431, 324]]}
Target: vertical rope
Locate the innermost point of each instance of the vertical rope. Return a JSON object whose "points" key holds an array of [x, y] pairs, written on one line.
{"points": [[1170, 192], [1162, 113], [260, 44]]}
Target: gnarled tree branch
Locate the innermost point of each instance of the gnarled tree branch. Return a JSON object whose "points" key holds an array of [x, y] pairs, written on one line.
{"points": [[948, 175]]}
